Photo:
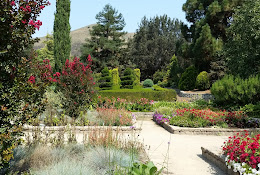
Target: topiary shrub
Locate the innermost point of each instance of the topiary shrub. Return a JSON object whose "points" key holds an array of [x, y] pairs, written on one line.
{"points": [[115, 79], [235, 91], [148, 83], [202, 81], [105, 80], [188, 79], [174, 72], [137, 75], [127, 80]]}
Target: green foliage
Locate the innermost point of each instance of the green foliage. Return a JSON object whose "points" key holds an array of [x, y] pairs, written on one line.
{"points": [[137, 74], [154, 43], [128, 79], [233, 90], [148, 83], [159, 76], [174, 72], [203, 38], [105, 80], [61, 34], [115, 79], [188, 79], [202, 81], [144, 169], [106, 40], [242, 49], [136, 94], [47, 51], [20, 99]]}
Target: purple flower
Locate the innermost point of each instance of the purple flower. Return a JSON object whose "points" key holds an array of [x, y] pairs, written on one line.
{"points": [[132, 127]]}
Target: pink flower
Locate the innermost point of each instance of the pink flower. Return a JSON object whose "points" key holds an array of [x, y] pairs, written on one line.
{"points": [[31, 79], [31, 22], [12, 3], [24, 21], [42, 7]]}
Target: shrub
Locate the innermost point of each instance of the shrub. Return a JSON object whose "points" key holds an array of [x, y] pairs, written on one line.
{"points": [[137, 75], [136, 94], [128, 79], [174, 72], [148, 83], [159, 75], [115, 79], [76, 84], [20, 98], [188, 79], [105, 80], [233, 90], [202, 81]]}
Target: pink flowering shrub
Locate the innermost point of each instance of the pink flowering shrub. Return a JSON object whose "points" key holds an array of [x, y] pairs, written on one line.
{"points": [[242, 153], [76, 83]]}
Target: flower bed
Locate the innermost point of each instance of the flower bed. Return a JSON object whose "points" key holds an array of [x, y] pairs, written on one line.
{"points": [[242, 153], [190, 117]]}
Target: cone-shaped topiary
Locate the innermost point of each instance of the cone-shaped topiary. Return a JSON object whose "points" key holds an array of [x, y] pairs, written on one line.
{"points": [[105, 80], [128, 79]]}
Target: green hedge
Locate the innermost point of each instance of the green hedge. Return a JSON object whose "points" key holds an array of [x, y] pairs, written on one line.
{"points": [[137, 94]]}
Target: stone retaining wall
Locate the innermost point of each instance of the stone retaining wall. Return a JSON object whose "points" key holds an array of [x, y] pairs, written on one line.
{"points": [[205, 131], [196, 96], [217, 160]]}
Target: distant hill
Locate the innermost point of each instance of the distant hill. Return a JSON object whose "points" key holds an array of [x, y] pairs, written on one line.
{"points": [[78, 38]]}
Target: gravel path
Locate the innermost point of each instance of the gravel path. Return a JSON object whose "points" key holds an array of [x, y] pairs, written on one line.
{"points": [[184, 151]]}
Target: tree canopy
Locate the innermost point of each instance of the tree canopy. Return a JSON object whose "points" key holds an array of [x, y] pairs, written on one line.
{"points": [[106, 39], [154, 44]]}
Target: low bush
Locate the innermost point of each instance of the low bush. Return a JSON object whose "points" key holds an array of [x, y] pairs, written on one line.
{"points": [[136, 94], [232, 91], [188, 79], [148, 83], [202, 81]]}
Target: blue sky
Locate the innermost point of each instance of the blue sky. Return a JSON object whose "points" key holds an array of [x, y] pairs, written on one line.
{"points": [[83, 12]]}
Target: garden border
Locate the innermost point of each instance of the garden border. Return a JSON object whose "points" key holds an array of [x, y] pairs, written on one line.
{"points": [[217, 160], [205, 131], [80, 128]]}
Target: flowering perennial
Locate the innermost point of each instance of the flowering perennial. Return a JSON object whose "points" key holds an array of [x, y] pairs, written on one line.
{"points": [[242, 153]]}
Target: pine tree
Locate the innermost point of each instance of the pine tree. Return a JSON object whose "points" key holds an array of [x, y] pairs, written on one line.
{"points": [[61, 35], [47, 51], [209, 21], [154, 44], [106, 40]]}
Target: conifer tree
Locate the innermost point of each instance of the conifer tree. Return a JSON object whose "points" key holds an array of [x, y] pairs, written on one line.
{"points": [[209, 22], [61, 34], [106, 39]]}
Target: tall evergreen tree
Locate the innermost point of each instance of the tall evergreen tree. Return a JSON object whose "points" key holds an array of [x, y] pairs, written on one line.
{"points": [[209, 21], [154, 44], [61, 34], [106, 39]]}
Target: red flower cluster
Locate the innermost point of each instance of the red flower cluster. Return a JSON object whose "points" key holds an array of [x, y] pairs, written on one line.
{"points": [[243, 148], [36, 24], [31, 79], [207, 114]]}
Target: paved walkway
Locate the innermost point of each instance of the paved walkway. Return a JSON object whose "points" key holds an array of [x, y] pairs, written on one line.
{"points": [[184, 151]]}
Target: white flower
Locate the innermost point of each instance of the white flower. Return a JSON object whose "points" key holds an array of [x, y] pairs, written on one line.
{"points": [[254, 171], [229, 167], [243, 164], [258, 165]]}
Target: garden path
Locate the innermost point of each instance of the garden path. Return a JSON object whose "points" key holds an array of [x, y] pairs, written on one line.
{"points": [[184, 151]]}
